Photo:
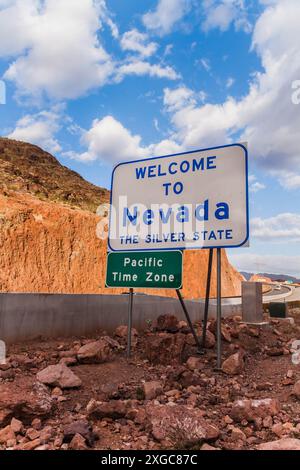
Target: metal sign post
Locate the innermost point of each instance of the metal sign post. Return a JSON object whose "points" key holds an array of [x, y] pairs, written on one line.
{"points": [[130, 308], [219, 310], [208, 281], [189, 320]]}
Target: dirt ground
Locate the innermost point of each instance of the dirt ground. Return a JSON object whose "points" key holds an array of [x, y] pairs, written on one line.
{"points": [[165, 397]]}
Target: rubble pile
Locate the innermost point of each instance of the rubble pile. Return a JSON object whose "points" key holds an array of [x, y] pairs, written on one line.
{"points": [[82, 393]]}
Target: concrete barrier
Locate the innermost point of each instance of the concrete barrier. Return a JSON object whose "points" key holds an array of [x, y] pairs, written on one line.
{"points": [[27, 316]]}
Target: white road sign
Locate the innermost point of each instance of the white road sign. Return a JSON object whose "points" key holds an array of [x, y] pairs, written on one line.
{"points": [[192, 200]]}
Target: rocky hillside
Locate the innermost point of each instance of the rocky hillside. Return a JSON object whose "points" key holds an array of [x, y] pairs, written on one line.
{"points": [[28, 169], [48, 246]]}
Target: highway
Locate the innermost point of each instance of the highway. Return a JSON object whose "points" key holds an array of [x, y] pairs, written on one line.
{"points": [[285, 293]]}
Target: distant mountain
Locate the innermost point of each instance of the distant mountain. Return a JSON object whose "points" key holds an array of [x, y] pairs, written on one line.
{"points": [[26, 168], [274, 277]]}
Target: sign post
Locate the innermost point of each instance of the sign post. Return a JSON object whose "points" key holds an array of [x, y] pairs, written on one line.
{"points": [[130, 309], [193, 200], [219, 309]]}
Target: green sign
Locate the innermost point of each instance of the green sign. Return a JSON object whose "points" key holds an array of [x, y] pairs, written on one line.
{"points": [[156, 269]]}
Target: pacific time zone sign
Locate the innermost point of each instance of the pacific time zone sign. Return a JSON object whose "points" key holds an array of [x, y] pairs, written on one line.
{"points": [[160, 270], [191, 200]]}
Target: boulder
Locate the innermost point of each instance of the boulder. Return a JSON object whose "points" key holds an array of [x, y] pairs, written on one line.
{"points": [[82, 428], [251, 410], [195, 363], [25, 400], [31, 445], [122, 333], [168, 323], [210, 340], [114, 409], [281, 444], [78, 443], [59, 376], [94, 353], [234, 364], [183, 426], [6, 434], [152, 389], [165, 348], [16, 425]]}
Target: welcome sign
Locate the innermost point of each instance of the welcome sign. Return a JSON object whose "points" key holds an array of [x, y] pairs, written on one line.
{"points": [[192, 200]]}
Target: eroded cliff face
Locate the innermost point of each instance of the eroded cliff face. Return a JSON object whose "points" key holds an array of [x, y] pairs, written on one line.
{"points": [[49, 247]]}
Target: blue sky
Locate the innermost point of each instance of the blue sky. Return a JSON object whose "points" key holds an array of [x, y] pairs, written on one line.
{"points": [[119, 80]]}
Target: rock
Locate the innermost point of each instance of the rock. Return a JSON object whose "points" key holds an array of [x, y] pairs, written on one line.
{"points": [[57, 392], [165, 348], [281, 444], [168, 323], [122, 332], [7, 374], [6, 434], [114, 409], [46, 434], [68, 361], [296, 389], [16, 425], [234, 364], [152, 389], [195, 363], [251, 410], [183, 426], [97, 352], [59, 376], [78, 443], [32, 445], [224, 330], [278, 429], [210, 340], [25, 400], [37, 424], [112, 342], [238, 434], [32, 434], [82, 428]]}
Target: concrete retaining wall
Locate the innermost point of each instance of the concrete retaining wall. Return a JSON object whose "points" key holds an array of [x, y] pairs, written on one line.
{"points": [[28, 316]]}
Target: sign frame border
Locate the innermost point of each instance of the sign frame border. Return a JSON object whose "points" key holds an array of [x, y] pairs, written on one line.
{"points": [[178, 155], [143, 251]]}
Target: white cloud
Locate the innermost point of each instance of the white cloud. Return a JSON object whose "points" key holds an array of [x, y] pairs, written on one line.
{"points": [[140, 68], [266, 116], [230, 81], [40, 129], [60, 52], [221, 14], [254, 185], [175, 99], [109, 141], [166, 15], [274, 264], [283, 227], [55, 48], [136, 41], [205, 64]]}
